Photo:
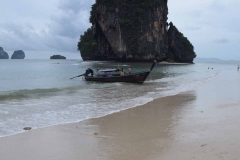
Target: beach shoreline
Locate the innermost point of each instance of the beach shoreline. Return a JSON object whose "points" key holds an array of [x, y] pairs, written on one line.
{"points": [[198, 124], [173, 63]]}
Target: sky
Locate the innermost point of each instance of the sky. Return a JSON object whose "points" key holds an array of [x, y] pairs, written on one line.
{"points": [[47, 27]]}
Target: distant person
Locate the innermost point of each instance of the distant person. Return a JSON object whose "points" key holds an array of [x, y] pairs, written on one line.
{"points": [[238, 68], [121, 72], [129, 70]]}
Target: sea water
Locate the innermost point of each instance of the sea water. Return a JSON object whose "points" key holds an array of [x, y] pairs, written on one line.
{"points": [[39, 93]]}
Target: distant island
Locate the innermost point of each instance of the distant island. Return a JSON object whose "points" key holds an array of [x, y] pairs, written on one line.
{"points": [[3, 54], [57, 57], [134, 30], [214, 60], [18, 55]]}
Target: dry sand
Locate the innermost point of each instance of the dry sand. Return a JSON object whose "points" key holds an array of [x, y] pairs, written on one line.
{"points": [[200, 124]]}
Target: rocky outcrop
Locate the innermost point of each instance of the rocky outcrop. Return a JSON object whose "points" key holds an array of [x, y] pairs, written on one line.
{"points": [[3, 54], [57, 57], [18, 55], [133, 30], [179, 47]]}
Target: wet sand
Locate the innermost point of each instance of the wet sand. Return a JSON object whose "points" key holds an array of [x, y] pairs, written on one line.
{"points": [[199, 124]]}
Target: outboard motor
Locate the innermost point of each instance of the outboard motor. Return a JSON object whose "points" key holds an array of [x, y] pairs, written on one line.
{"points": [[89, 71]]}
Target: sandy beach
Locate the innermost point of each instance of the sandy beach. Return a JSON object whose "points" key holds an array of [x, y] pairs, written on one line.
{"points": [[199, 124]]}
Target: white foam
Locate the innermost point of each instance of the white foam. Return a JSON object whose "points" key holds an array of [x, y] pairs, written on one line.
{"points": [[4, 112]]}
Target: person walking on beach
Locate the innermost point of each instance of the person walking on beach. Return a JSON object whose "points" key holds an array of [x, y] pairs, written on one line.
{"points": [[238, 68]]}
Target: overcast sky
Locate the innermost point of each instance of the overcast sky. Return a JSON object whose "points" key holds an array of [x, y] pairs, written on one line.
{"points": [[47, 27]]}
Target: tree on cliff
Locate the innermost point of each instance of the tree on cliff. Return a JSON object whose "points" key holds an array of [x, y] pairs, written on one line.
{"points": [[87, 45]]}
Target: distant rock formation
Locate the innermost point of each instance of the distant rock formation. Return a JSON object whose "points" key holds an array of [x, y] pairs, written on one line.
{"points": [[57, 57], [3, 54], [18, 55], [179, 47]]}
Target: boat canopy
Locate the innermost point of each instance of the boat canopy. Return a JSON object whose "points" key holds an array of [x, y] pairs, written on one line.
{"points": [[108, 70]]}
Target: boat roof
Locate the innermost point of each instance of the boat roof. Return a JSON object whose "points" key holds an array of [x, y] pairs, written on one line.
{"points": [[108, 70]]}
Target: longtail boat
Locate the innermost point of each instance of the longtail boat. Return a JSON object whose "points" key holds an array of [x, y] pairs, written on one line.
{"points": [[114, 75]]}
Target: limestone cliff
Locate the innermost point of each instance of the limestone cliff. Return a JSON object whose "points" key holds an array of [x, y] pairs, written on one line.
{"points": [[18, 55], [179, 47], [134, 30], [3, 54]]}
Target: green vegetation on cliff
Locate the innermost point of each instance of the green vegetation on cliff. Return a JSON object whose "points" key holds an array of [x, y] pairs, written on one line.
{"points": [[87, 45], [180, 48]]}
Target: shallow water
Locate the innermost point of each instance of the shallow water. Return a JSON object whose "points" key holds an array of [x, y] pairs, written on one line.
{"points": [[39, 93]]}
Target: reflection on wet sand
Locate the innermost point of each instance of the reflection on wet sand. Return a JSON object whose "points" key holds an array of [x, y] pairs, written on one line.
{"points": [[141, 132], [137, 133]]}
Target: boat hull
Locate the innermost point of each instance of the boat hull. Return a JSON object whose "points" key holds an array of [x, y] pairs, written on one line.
{"points": [[139, 77]]}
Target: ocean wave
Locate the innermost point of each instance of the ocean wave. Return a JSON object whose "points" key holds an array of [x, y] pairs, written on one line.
{"points": [[40, 108], [34, 93], [4, 112]]}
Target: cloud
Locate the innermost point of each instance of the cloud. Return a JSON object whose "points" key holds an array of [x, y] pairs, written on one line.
{"points": [[74, 5], [222, 40], [56, 25], [60, 31], [192, 28], [69, 24], [203, 22], [66, 26], [20, 36]]}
